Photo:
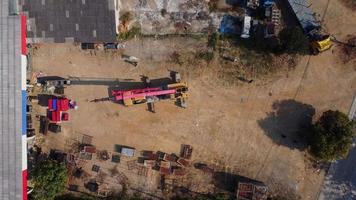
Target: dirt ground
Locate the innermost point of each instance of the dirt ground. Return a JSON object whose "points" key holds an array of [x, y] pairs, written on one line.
{"points": [[249, 129]]}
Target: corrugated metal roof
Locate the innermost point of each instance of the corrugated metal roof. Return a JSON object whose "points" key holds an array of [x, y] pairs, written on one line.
{"points": [[70, 21], [10, 105], [304, 15]]}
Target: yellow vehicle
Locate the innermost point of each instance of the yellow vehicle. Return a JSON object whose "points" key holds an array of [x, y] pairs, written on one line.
{"points": [[320, 43], [181, 93]]}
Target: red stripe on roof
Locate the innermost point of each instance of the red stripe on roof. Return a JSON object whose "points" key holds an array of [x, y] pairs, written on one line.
{"points": [[24, 184], [23, 35]]}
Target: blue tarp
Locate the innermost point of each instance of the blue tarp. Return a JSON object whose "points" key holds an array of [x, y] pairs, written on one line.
{"points": [[54, 104], [230, 25], [267, 3]]}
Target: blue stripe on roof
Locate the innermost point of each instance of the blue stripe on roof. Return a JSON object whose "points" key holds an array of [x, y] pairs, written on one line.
{"points": [[23, 100]]}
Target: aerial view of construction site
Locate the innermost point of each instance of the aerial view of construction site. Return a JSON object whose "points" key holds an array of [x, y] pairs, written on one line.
{"points": [[188, 99]]}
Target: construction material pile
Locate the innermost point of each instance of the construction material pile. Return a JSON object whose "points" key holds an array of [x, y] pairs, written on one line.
{"points": [[166, 164]]}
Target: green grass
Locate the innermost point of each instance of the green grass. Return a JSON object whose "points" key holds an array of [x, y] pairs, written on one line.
{"points": [[130, 34], [213, 40]]}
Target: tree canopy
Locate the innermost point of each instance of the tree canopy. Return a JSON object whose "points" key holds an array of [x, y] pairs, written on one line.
{"points": [[331, 136], [294, 41], [49, 180]]}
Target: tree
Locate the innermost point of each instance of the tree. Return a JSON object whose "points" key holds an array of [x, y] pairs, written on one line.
{"points": [[213, 40], [49, 180], [294, 41], [331, 136], [78, 196], [126, 18]]}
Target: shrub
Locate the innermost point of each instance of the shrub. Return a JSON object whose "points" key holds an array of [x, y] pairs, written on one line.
{"points": [[49, 180], [126, 17], [213, 40], [130, 34], [70, 196], [331, 136], [163, 12], [213, 5], [294, 41]]}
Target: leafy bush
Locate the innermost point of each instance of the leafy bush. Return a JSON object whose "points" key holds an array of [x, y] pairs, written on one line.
{"points": [[163, 12], [130, 34], [126, 17], [294, 41], [213, 40], [331, 136], [49, 179], [75, 197], [290, 41], [213, 5]]}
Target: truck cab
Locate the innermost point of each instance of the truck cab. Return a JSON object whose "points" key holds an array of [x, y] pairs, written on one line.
{"points": [[320, 43]]}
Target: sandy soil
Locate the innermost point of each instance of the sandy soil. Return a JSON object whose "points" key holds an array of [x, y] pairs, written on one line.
{"points": [[337, 19], [250, 130]]}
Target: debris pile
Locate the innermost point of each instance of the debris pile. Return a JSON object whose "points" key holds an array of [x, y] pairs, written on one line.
{"points": [[349, 49], [168, 164]]}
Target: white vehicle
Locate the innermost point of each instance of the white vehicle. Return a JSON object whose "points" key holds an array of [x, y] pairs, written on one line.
{"points": [[246, 27]]}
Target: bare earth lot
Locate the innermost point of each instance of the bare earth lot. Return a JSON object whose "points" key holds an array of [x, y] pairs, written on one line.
{"points": [[249, 129]]}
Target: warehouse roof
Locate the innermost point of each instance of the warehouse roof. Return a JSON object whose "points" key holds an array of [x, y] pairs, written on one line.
{"points": [[70, 21], [304, 15], [10, 103]]}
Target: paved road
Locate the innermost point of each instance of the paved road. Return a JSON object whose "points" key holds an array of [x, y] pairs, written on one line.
{"points": [[340, 182]]}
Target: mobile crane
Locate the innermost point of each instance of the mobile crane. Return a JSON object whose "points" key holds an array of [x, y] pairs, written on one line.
{"points": [[176, 91], [148, 91]]}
